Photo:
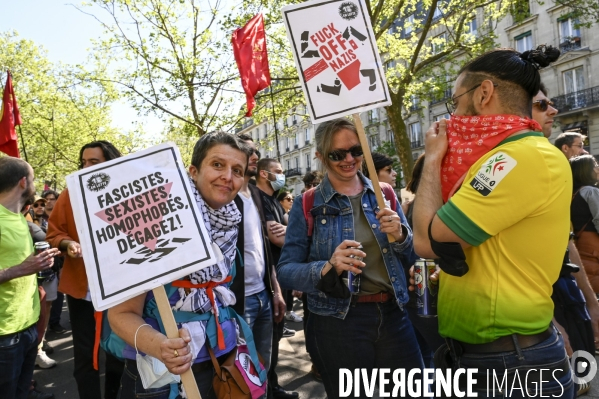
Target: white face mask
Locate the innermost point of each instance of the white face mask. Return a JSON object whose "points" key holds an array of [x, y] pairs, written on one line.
{"points": [[152, 371], [279, 181]]}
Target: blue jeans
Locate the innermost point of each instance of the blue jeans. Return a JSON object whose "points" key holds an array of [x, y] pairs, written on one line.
{"points": [[543, 355], [17, 361], [372, 335], [258, 315], [132, 387]]}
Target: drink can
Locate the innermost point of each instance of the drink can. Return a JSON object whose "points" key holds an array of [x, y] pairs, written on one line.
{"points": [[40, 247], [426, 290], [353, 279]]}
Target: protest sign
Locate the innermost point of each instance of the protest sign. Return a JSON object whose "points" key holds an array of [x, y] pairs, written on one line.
{"points": [[138, 224], [336, 56]]}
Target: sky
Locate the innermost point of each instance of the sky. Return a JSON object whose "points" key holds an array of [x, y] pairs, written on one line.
{"points": [[66, 34]]}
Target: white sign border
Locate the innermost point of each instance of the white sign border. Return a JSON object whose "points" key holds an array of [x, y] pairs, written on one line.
{"points": [[374, 47]]}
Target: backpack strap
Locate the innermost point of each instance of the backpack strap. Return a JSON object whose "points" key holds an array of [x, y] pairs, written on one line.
{"points": [[307, 205]]}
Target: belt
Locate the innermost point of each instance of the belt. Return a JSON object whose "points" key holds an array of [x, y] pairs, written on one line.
{"points": [[380, 297], [504, 344]]}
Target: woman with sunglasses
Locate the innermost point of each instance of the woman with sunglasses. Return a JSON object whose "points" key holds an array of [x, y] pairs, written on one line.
{"points": [[368, 328]]}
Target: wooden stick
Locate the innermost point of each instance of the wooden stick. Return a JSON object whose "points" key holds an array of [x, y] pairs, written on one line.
{"points": [[370, 164], [170, 326]]}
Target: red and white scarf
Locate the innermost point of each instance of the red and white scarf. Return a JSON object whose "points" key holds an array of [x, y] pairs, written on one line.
{"points": [[471, 137]]}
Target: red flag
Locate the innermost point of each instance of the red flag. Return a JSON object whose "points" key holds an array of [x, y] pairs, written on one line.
{"points": [[10, 119], [249, 47]]}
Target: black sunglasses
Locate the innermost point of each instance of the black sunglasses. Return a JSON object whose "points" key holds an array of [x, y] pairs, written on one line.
{"points": [[257, 153], [543, 104], [38, 204], [339, 155]]}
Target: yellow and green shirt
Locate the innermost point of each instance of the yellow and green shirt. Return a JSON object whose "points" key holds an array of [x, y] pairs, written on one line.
{"points": [[513, 208], [19, 298]]}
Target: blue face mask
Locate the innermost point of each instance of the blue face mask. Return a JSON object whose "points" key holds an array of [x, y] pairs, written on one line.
{"points": [[279, 182]]}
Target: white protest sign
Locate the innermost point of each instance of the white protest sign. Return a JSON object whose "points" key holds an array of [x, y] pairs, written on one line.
{"points": [[138, 224], [336, 57]]}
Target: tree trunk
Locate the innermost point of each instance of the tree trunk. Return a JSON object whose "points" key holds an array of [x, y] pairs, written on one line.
{"points": [[400, 134]]}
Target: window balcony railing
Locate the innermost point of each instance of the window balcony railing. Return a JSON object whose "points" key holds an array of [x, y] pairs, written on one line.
{"points": [[441, 99], [573, 43], [293, 172], [578, 99], [416, 144]]}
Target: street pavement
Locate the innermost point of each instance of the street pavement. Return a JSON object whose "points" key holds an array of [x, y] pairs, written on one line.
{"points": [[293, 369]]}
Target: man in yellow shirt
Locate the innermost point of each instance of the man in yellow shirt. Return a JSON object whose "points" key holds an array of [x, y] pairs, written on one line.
{"points": [[500, 237], [19, 298]]}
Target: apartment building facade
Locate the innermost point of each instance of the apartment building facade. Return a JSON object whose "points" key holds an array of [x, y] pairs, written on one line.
{"points": [[572, 82]]}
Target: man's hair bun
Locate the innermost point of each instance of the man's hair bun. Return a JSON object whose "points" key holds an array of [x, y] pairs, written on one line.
{"points": [[542, 56]]}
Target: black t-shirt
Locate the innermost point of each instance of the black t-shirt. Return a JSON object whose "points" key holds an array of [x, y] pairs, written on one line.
{"points": [[273, 212]]}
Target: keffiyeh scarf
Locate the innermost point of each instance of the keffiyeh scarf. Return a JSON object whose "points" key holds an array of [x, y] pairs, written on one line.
{"points": [[221, 225]]}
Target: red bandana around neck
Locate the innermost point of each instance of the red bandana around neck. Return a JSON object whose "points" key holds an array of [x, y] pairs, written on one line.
{"points": [[471, 137]]}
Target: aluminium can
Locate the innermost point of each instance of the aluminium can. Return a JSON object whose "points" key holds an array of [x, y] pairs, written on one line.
{"points": [[426, 290], [40, 247]]}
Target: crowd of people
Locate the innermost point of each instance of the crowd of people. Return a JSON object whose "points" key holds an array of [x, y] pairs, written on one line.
{"points": [[512, 220]]}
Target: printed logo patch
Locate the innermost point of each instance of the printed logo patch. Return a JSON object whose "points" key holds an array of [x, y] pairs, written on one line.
{"points": [[492, 173]]}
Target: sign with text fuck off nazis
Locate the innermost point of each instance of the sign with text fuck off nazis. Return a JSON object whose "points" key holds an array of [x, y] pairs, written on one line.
{"points": [[336, 57], [138, 224]]}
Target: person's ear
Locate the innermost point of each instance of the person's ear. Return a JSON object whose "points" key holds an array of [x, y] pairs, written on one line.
{"points": [[487, 88], [565, 148], [319, 156], [193, 171]]}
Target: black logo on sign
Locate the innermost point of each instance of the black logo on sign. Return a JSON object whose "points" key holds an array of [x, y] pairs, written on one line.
{"points": [[348, 10], [98, 182]]}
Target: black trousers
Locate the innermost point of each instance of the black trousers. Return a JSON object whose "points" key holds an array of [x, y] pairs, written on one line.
{"points": [[83, 324]]}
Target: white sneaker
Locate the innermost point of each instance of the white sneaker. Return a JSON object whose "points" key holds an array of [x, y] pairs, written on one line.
{"points": [[43, 361], [291, 316]]}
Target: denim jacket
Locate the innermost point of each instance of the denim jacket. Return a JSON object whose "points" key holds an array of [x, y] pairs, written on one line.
{"points": [[303, 258]]}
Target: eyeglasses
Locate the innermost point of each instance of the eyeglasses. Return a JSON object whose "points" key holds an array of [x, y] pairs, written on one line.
{"points": [[543, 104], [451, 104], [339, 155], [257, 153], [290, 199], [38, 204], [577, 145], [310, 185]]}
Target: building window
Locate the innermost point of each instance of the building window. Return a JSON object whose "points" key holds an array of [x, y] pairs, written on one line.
{"points": [[415, 135], [297, 163], [569, 34], [409, 24], [374, 142], [573, 86], [438, 13], [442, 116], [390, 136], [296, 140], [438, 43], [265, 131], [307, 135], [472, 27], [415, 103], [288, 165], [568, 29], [373, 116], [524, 42], [308, 165], [287, 143]]}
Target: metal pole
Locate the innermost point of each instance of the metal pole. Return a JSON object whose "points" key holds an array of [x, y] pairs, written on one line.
{"points": [[274, 119], [23, 144]]}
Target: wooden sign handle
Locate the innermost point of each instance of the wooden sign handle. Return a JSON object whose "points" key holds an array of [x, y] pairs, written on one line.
{"points": [[370, 164], [170, 326]]}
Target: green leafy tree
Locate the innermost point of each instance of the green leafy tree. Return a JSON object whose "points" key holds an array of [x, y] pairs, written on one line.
{"points": [[169, 57], [60, 110], [421, 42]]}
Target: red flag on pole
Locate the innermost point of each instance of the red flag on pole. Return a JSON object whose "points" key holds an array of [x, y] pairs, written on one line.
{"points": [[249, 47], [10, 119]]}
